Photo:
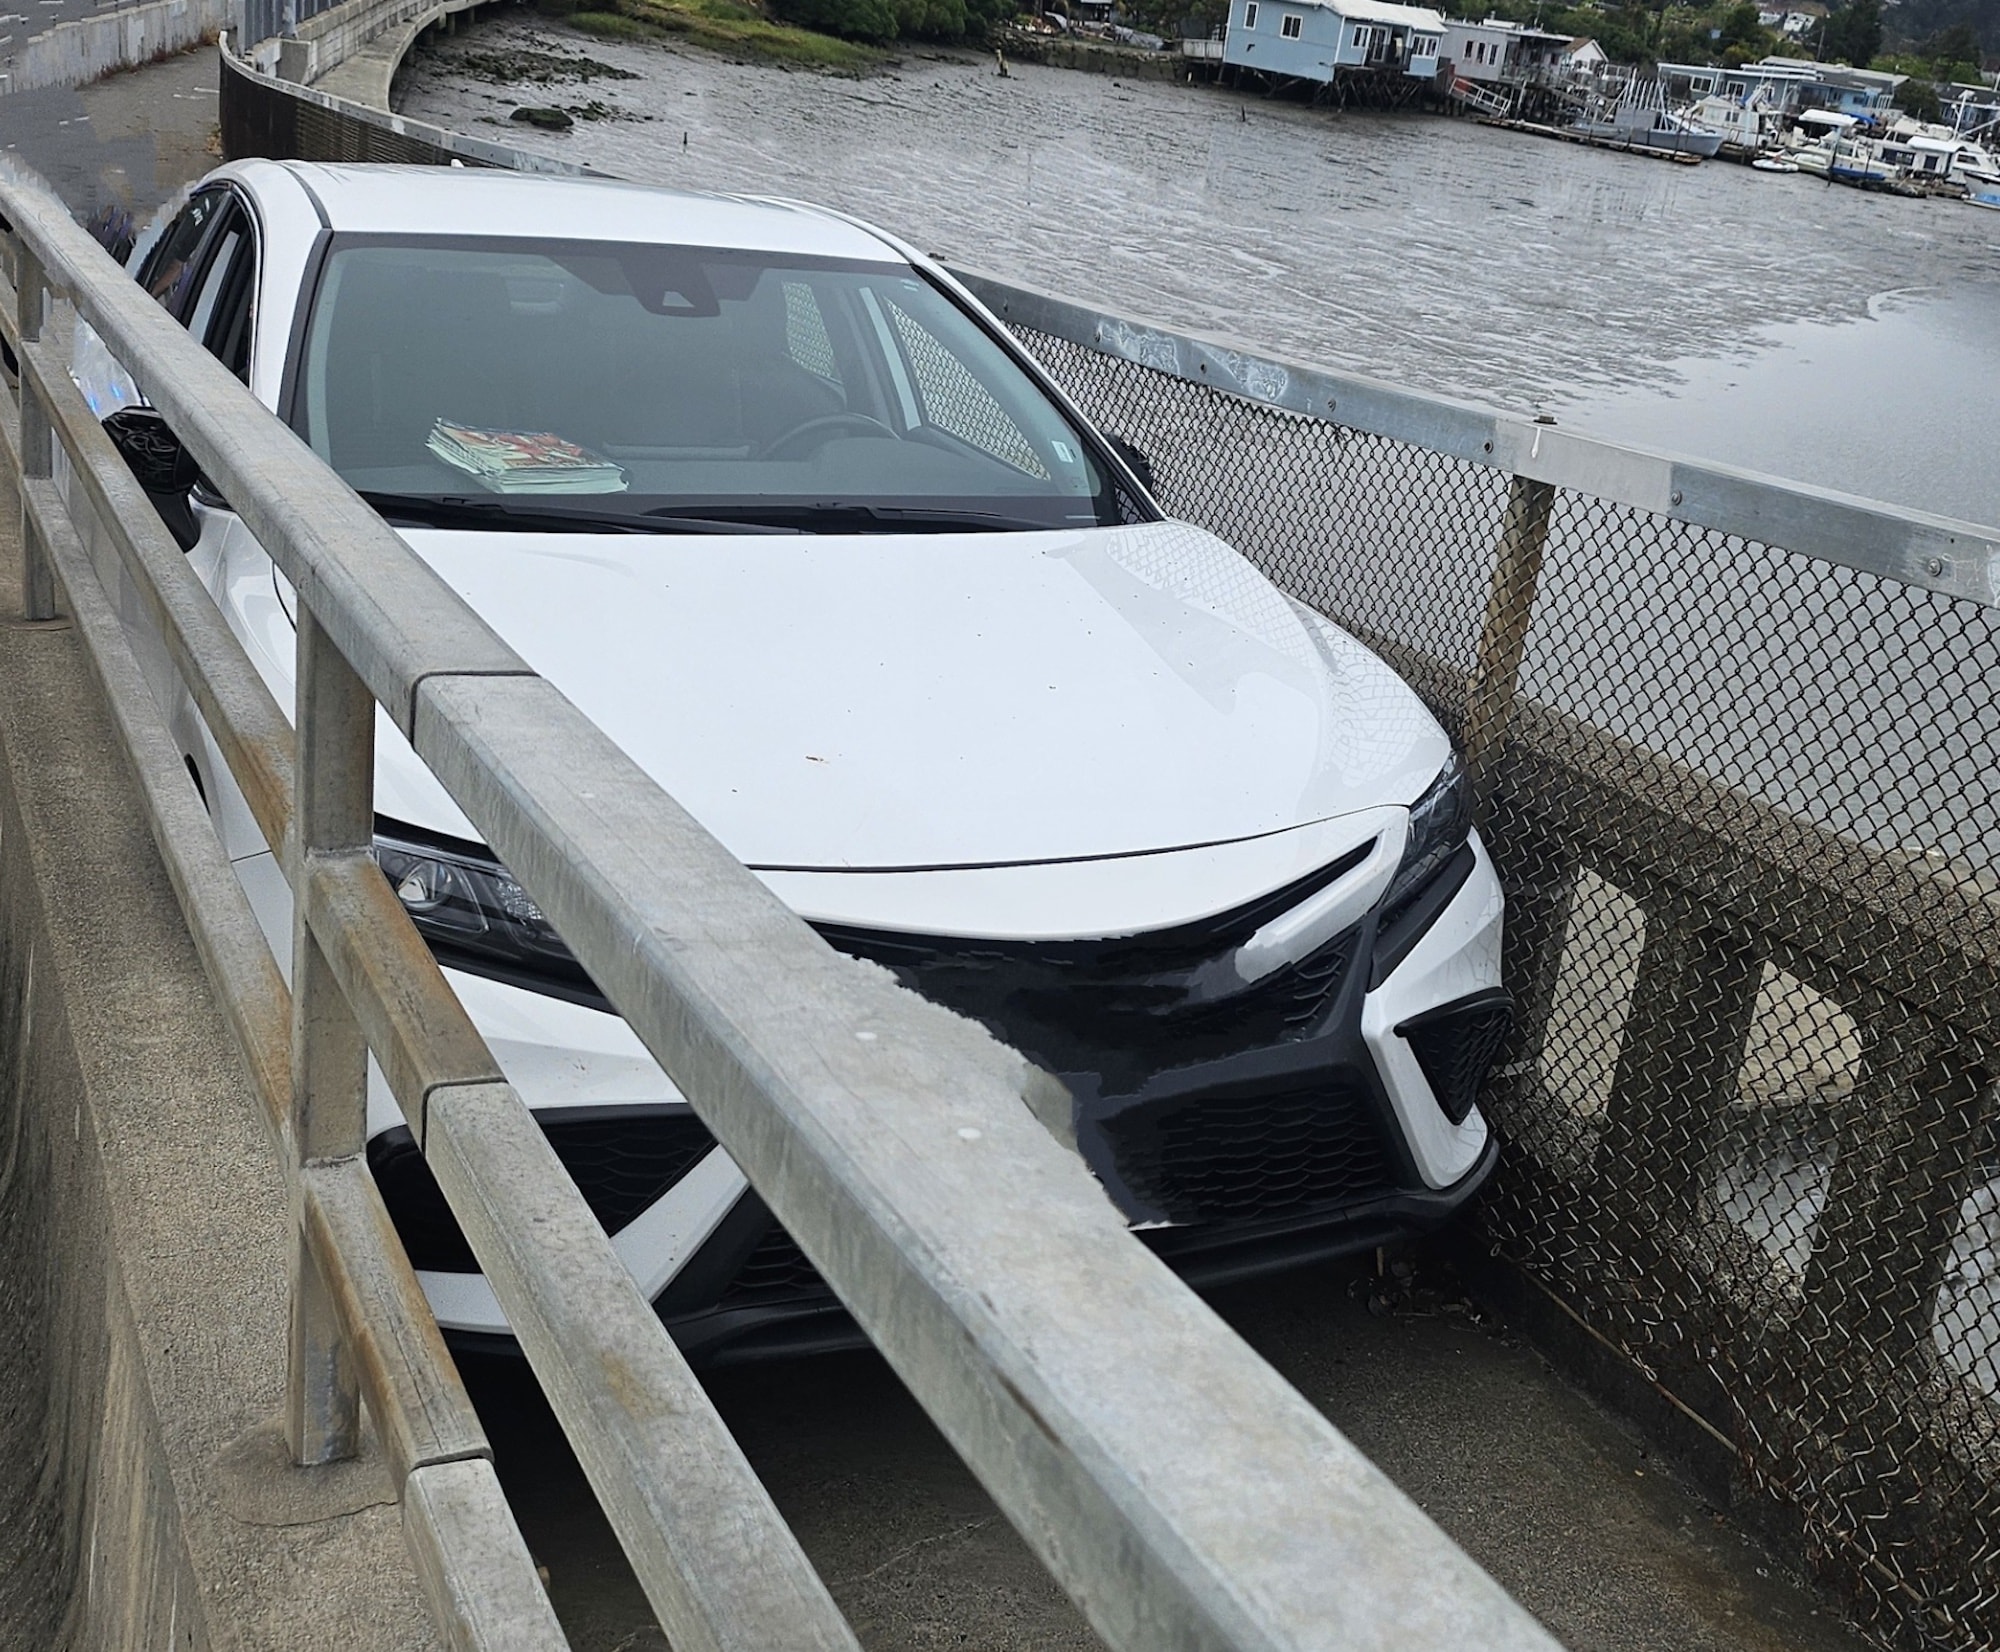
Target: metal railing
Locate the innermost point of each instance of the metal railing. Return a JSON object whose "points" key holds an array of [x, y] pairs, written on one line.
{"points": [[1176, 1487], [1737, 743]]}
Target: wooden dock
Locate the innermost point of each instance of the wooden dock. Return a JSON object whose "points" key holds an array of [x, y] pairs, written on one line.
{"points": [[1565, 135]]}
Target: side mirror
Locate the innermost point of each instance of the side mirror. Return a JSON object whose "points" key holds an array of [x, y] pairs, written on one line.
{"points": [[1135, 459], [165, 469]]}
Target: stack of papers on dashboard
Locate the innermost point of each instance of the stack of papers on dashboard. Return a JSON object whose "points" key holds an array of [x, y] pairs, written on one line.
{"points": [[523, 461]]}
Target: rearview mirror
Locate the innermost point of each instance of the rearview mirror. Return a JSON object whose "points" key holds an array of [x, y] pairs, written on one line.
{"points": [[165, 469]]}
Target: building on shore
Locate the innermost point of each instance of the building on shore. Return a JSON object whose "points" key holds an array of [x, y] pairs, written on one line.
{"points": [[1323, 40], [1585, 57], [1788, 85], [1493, 53]]}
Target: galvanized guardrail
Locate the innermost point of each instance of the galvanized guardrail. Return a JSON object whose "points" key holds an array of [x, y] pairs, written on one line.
{"points": [[1178, 1489], [1738, 745], [1738, 749]]}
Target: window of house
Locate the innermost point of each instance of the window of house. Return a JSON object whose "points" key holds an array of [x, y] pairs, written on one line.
{"points": [[1250, 14], [1291, 26]]}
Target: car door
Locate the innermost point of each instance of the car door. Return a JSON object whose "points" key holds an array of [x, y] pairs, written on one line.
{"points": [[203, 270]]}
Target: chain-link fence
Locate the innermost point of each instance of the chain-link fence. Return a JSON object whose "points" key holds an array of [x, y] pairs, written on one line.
{"points": [[1738, 753], [1744, 804]]}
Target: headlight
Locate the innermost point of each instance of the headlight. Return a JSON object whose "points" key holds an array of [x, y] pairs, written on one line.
{"points": [[1440, 822], [474, 914]]}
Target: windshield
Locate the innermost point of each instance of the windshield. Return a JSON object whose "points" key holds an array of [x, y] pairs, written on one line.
{"points": [[545, 384]]}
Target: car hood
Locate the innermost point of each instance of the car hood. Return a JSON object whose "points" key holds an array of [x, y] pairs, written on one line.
{"points": [[897, 702]]}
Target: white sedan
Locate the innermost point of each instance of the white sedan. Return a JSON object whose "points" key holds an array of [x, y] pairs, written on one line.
{"points": [[783, 510]]}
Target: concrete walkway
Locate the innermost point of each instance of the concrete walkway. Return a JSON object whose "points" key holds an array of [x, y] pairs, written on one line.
{"points": [[1562, 1504], [131, 140]]}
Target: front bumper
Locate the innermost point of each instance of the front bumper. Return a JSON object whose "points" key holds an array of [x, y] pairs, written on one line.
{"points": [[1328, 1138]]}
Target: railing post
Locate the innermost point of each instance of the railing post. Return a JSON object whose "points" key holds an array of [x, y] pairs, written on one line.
{"points": [[38, 591], [1503, 638], [1539, 872], [1915, 1126], [1693, 999], [334, 814]]}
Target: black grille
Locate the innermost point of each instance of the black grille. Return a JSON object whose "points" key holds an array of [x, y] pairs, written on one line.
{"points": [[622, 1161], [1211, 1158], [776, 1271], [1127, 1008], [1455, 1046]]}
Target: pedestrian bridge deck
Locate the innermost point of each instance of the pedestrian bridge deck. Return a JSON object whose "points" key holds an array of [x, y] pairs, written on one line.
{"points": [[1562, 1505]]}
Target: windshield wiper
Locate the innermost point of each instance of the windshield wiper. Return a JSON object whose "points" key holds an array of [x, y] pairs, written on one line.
{"points": [[848, 516], [418, 510]]}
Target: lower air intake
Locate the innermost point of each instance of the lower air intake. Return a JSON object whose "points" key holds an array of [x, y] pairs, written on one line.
{"points": [[621, 1161], [1456, 1046], [1212, 1158]]}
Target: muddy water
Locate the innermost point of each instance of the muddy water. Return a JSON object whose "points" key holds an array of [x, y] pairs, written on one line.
{"points": [[1841, 338]]}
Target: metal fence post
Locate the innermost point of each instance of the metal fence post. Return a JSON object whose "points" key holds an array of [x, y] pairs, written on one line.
{"points": [[38, 591], [334, 814], [1503, 638]]}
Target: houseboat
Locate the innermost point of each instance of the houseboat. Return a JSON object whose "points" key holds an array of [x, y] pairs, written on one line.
{"points": [[1748, 130], [1637, 117]]}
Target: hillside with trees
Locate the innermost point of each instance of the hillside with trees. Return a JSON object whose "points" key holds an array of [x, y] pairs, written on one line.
{"points": [[1914, 22]]}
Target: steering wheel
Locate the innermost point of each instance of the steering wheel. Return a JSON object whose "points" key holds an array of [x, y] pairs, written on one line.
{"points": [[814, 433]]}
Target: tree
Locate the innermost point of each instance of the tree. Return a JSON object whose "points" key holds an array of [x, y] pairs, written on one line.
{"points": [[1740, 26], [1953, 53], [1853, 34], [881, 21], [870, 20], [1173, 18], [1918, 98]]}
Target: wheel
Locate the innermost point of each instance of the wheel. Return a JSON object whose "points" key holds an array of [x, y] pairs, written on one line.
{"points": [[816, 432]]}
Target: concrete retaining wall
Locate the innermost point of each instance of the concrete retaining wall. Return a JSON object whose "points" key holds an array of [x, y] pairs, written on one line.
{"points": [[359, 44], [73, 54], [264, 115], [145, 1500]]}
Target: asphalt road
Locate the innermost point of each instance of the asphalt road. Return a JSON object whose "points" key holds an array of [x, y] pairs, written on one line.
{"points": [[1560, 1502]]}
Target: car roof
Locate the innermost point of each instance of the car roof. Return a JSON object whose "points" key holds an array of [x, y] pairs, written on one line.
{"points": [[439, 200]]}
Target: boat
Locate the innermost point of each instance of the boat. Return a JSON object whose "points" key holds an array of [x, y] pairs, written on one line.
{"points": [[1637, 118], [1923, 163], [1749, 130], [1984, 198], [1813, 130], [1774, 163], [1858, 163], [1975, 166], [1842, 156]]}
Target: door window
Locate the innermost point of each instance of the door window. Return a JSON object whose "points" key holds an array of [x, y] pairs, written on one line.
{"points": [[225, 306], [169, 269]]}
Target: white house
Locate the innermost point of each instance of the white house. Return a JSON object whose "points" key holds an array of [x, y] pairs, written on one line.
{"points": [[1494, 51], [1585, 57], [1311, 39]]}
